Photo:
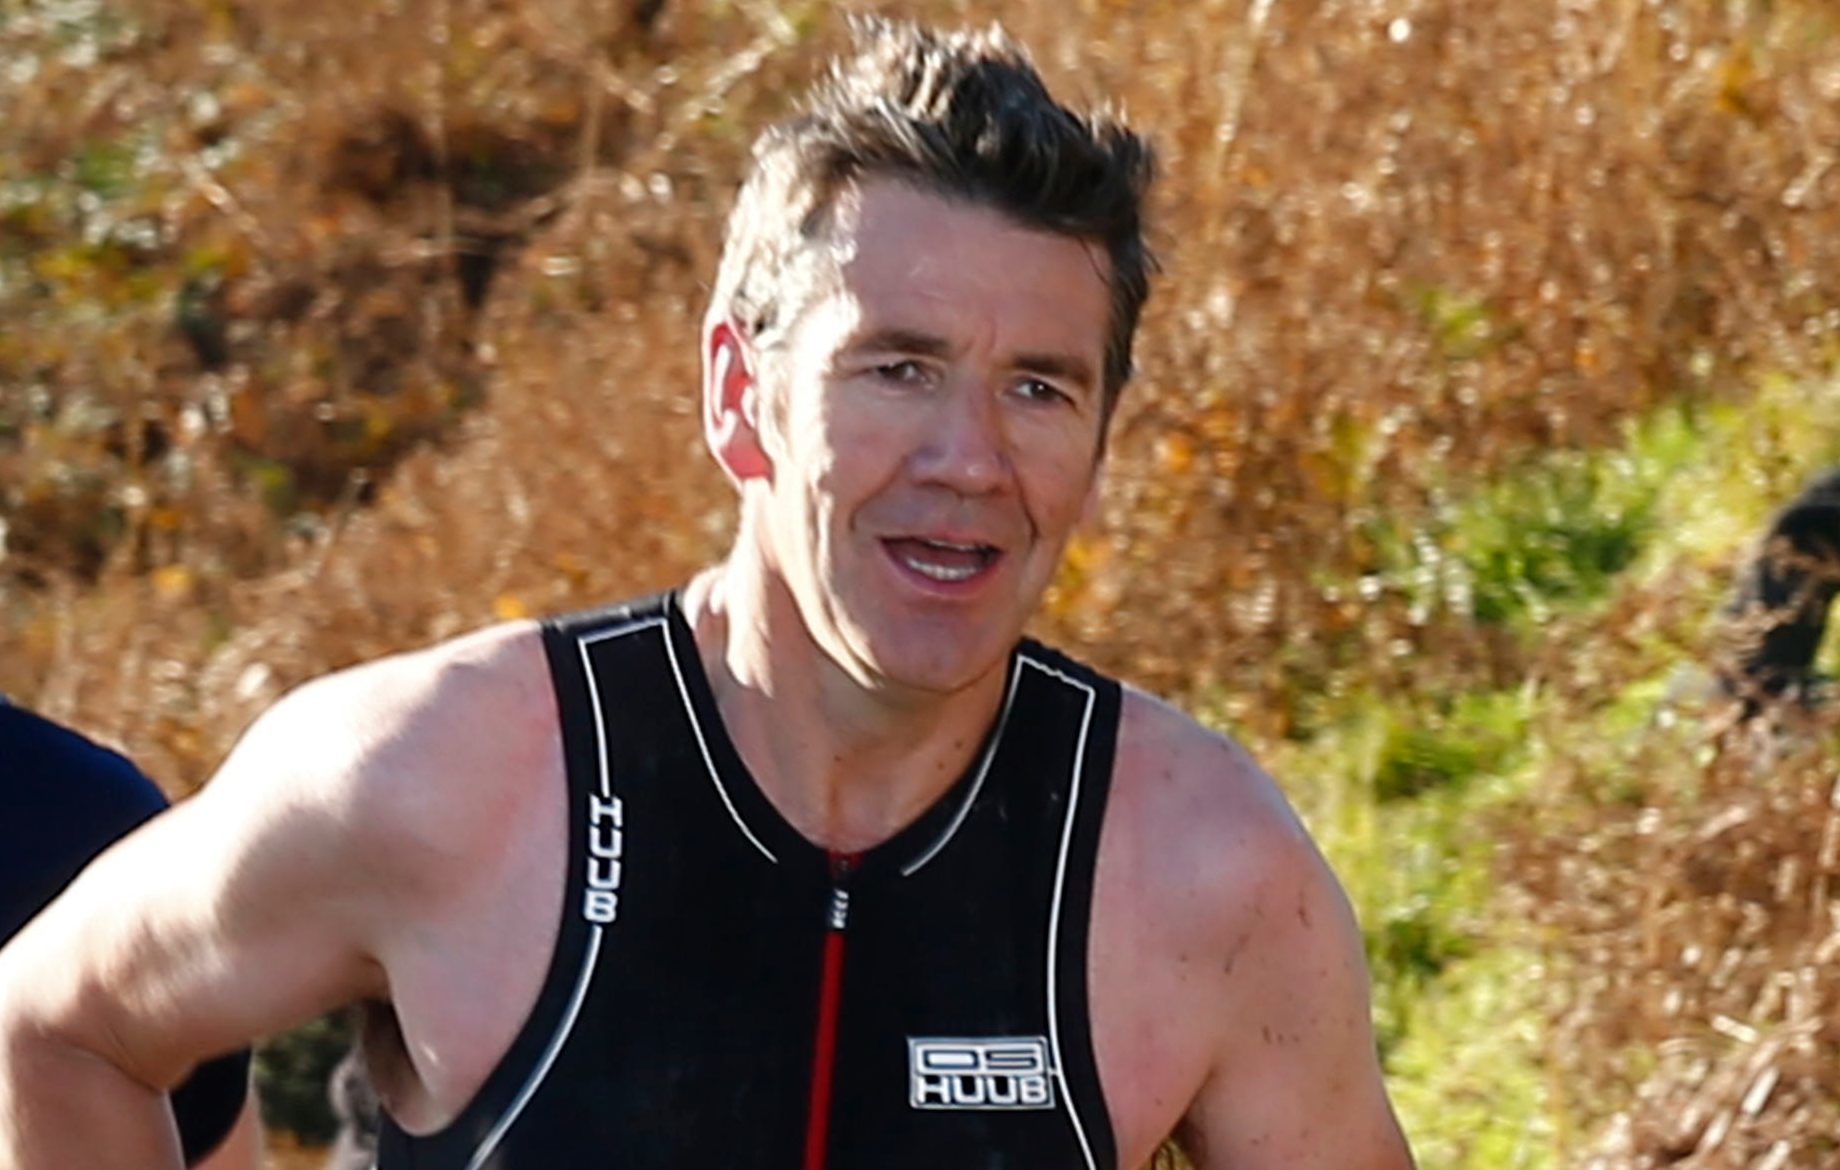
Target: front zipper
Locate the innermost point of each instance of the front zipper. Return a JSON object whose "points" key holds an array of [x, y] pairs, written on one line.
{"points": [[830, 992]]}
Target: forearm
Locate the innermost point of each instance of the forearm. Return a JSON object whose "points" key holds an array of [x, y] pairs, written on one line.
{"points": [[61, 1106]]}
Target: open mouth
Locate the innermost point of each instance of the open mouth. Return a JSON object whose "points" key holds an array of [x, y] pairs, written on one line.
{"points": [[946, 561]]}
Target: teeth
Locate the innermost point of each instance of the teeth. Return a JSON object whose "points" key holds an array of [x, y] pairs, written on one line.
{"points": [[939, 572], [946, 544]]}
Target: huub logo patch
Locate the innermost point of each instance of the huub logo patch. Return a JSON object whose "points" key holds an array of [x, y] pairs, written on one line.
{"points": [[1012, 1072], [600, 901]]}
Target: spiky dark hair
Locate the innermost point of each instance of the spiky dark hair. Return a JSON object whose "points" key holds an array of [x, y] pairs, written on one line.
{"points": [[963, 113]]}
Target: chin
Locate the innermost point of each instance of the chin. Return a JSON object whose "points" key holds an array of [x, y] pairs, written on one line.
{"points": [[938, 661]]}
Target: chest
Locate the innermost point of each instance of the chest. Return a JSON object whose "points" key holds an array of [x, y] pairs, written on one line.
{"points": [[934, 981], [722, 993]]}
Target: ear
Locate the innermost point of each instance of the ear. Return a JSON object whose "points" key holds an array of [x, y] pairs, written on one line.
{"points": [[731, 402]]}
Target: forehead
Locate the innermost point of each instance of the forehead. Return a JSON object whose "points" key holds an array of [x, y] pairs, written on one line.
{"points": [[909, 257]]}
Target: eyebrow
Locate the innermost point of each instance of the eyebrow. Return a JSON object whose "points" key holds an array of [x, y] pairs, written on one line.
{"points": [[895, 339], [899, 340]]}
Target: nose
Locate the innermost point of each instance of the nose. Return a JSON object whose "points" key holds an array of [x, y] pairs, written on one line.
{"points": [[965, 448]]}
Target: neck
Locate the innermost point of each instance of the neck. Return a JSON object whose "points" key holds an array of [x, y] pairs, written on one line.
{"points": [[847, 762]]}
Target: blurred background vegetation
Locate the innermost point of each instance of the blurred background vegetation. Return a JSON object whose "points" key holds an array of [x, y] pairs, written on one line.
{"points": [[1490, 335]]}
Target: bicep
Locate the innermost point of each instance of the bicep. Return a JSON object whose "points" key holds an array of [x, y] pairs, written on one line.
{"points": [[1297, 1082], [215, 923]]}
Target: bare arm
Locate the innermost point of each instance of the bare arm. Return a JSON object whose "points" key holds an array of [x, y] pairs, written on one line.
{"points": [[283, 890], [220, 921], [1296, 1084], [1229, 985]]}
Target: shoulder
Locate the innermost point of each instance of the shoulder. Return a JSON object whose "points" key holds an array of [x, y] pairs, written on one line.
{"points": [[418, 761], [437, 687], [487, 689], [1202, 799], [1261, 949], [1224, 861]]}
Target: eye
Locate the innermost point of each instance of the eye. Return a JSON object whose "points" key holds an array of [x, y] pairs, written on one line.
{"points": [[1037, 390], [907, 371]]}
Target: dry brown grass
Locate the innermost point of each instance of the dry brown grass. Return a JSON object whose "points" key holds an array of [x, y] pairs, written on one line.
{"points": [[285, 1154], [1703, 944], [1405, 243], [1686, 907], [1408, 243]]}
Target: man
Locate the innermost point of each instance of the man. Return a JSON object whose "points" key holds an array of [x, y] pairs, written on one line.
{"points": [[66, 799], [813, 862]]}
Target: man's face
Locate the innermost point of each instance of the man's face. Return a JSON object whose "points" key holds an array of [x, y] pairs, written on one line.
{"points": [[931, 433]]}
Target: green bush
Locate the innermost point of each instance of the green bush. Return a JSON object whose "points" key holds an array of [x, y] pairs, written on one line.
{"points": [[291, 1076]]}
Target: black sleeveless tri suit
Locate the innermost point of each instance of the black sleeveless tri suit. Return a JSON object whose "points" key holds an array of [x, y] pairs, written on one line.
{"points": [[726, 995]]}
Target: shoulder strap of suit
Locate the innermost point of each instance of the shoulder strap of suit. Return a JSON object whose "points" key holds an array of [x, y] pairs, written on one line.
{"points": [[475, 1137], [1090, 704]]}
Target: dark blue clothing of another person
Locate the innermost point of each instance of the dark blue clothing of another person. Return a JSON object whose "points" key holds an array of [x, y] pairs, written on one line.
{"points": [[1780, 612], [64, 800]]}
